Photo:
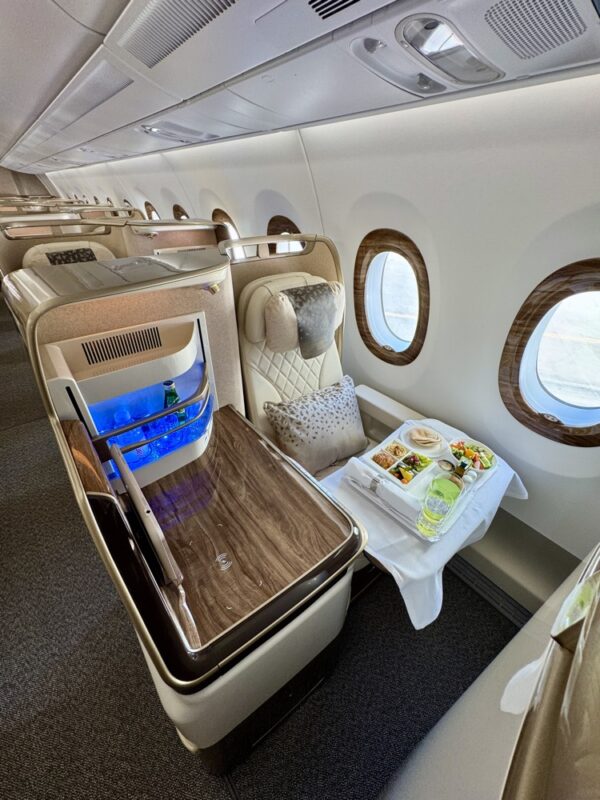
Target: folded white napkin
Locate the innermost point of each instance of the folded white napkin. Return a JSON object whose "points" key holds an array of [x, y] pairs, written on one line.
{"points": [[381, 489]]}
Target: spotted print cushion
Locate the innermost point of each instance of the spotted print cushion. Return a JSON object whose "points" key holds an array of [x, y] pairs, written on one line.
{"points": [[71, 256], [320, 428]]}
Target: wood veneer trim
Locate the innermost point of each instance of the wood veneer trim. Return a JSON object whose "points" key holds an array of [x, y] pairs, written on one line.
{"points": [[380, 241], [278, 225], [149, 209], [243, 501], [581, 276], [222, 218], [86, 459], [179, 212]]}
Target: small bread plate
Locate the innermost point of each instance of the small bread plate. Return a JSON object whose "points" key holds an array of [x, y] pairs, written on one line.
{"points": [[419, 443]]}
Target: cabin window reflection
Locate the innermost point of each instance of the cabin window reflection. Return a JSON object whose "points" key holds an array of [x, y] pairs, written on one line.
{"points": [[179, 212], [151, 212], [391, 295], [550, 368], [109, 202], [96, 201], [282, 226]]}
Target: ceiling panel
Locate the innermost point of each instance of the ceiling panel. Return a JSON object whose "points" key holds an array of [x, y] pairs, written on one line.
{"points": [[41, 48]]}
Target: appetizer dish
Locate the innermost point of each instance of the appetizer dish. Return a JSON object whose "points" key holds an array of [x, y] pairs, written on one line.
{"points": [[480, 456], [397, 449], [383, 459], [416, 462], [403, 473]]}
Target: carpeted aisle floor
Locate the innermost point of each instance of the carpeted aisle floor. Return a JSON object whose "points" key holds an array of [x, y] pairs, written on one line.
{"points": [[79, 717]]}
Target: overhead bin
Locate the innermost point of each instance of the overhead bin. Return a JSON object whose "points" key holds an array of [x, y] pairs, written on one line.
{"points": [[188, 48], [320, 84], [104, 95]]}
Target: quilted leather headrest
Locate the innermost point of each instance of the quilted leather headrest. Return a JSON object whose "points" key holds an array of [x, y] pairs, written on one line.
{"points": [[259, 292], [321, 316], [38, 256]]}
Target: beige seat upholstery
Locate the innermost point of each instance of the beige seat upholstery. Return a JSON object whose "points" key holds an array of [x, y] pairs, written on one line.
{"points": [[37, 256], [277, 376]]}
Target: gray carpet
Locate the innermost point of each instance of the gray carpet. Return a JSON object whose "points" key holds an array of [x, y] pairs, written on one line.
{"points": [[19, 398], [79, 717]]}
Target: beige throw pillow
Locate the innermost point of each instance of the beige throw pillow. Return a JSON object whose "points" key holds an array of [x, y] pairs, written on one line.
{"points": [[320, 428]]}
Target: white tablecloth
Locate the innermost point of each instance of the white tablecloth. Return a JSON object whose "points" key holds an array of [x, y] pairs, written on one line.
{"points": [[415, 565]]}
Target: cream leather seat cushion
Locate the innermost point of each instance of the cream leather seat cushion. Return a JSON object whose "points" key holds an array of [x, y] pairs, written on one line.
{"points": [[277, 377], [36, 256]]}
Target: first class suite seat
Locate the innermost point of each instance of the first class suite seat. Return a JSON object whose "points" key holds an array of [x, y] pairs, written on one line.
{"points": [[65, 252], [279, 376], [271, 376]]}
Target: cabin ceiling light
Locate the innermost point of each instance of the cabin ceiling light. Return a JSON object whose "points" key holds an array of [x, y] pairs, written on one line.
{"points": [[394, 66], [441, 46], [177, 133]]}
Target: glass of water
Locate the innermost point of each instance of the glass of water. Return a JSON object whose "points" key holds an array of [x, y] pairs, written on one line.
{"points": [[437, 504]]}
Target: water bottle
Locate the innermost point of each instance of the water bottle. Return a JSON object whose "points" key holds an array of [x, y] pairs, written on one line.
{"points": [[172, 398]]}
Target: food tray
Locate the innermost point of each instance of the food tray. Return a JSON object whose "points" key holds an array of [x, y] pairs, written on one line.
{"points": [[398, 460]]}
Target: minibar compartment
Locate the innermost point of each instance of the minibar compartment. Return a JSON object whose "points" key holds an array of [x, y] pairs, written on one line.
{"points": [[148, 389]]}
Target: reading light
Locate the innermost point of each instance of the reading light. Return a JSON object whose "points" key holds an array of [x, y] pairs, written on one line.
{"points": [[441, 46]]}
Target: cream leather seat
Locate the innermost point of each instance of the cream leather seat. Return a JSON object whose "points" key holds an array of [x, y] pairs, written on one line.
{"points": [[277, 376], [38, 256]]}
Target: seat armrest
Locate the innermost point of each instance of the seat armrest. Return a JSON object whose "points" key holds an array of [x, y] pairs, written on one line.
{"points": [[382, 408]]}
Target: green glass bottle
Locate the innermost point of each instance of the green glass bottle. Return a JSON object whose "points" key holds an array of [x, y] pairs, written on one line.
{"points": [[172, 398]]}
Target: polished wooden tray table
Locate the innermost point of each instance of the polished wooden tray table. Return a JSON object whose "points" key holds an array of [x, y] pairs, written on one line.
{"points": [[253, 535]]}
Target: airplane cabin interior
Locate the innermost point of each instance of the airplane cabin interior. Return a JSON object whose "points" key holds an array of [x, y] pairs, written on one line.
{"points": [[300, 405]]}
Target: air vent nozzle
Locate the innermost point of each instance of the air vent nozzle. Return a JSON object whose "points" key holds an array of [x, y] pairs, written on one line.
{"points": [[121, 345], [530, 28], [327, 8], [164, 25]]}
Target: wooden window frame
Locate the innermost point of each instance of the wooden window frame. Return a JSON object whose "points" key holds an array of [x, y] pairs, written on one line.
{"points": [[380, 241], [179, 212], [278, 225], [222, 218], [148, 208], [575, 278]]}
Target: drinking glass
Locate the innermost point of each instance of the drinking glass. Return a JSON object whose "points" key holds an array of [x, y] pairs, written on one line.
{"points": [[437, 504]]}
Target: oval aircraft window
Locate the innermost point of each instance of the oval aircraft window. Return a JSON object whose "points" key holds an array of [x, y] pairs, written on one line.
{"points": [[179, 212], [96, 201], [223, 218], [391, 296], [151, 212], [279, 226], [550, 368], [109, 202]]}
